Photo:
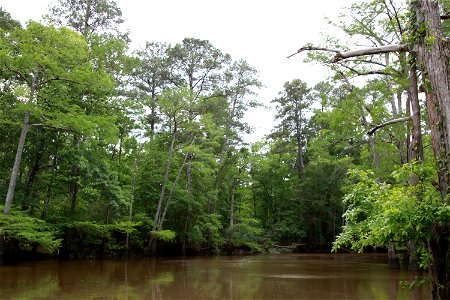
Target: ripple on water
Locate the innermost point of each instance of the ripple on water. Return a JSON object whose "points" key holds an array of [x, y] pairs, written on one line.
{"points": [[300, 276]]}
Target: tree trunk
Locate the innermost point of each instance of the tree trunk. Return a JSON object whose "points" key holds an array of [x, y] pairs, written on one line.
{"points": [[186, 225], [438, 268], [75, 173], [416, 150], [434, 120], [50, 186], [172, 190], [133, 188], [393, 261], [232, 203], [189, 173], [47, 199], [413, 259], [408, 129], [416, 130], [432, 54], [232, 208], [158, 213], [433, 60], [211, 205], [389, 84], [300, 162], [371, 140], [31, 178], [16, 166]]}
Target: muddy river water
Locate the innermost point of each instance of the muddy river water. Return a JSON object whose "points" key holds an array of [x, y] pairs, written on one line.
{"points": [[277, 276]]}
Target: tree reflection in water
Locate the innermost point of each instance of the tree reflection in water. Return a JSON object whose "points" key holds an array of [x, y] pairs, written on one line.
{"points": [[283, 276]]}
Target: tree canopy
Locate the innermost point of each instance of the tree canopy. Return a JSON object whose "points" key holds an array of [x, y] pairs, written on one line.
{"points": [[107, 150]]}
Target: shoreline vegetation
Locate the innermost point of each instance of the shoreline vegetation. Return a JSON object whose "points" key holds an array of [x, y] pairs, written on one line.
{"points": [[27, 238], [110, 151]]}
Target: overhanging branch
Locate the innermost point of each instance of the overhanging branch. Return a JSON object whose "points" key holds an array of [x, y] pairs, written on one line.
{"points": [[312, 48], [395, 121], [370, 51], [355, 53]]}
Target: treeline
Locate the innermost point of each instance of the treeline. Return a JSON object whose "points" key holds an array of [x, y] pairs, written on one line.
{"points": [[142, 152], [108, 151]]}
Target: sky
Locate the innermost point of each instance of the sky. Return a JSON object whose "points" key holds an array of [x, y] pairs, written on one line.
{"points": [[263, 32]]}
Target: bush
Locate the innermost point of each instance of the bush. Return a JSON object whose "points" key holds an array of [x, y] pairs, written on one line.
{"points": [[29, 232]]}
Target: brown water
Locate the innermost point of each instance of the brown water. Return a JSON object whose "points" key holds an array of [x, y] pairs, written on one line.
{"points": [[281, 276]]}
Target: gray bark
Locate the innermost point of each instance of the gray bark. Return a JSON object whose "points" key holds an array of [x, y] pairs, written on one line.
{"points": [[133, 187], [433, 58], [416, 143], [355, 53], [387, 123], [16, 166], [152, 242]]}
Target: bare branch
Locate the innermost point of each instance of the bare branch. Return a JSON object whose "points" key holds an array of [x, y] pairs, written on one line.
{"points": [[355, 53], [391, 122], [370, 51], [446, 17], [312, 48]]}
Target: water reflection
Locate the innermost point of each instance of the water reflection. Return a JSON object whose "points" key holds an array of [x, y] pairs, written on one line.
{"points": [[293, 276]]}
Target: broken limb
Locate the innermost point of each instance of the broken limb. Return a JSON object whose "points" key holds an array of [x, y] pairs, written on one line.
{"points": [[340, 55], [390, 122]]}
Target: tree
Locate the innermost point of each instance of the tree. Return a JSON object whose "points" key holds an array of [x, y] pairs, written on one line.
{"points": [[173, 105], [428, 44], [151, 78], [98, 21], [239, 88], [86, 16], [6, 22], [291, 107], [31, 66]]}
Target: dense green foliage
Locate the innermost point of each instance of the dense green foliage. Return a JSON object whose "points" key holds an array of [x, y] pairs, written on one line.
{"points": [[144, 151], [27, 232], [125, 151], [378, 213]]}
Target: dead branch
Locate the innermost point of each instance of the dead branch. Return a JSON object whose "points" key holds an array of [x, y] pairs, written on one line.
{"points": [[446, 17], [355, 53], [391, 122], [312, 48], [370, 51]]}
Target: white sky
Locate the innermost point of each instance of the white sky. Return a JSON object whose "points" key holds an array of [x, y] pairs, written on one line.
{"points": [[263, 32]]}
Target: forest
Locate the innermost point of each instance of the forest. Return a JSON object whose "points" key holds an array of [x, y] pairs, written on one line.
{"points": [[107, 151]]}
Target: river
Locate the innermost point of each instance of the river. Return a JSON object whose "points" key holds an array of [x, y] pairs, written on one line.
{"points": [[277, 276]]}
